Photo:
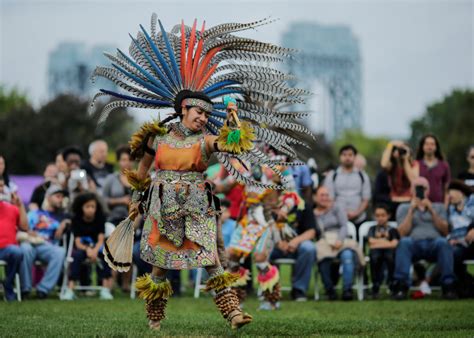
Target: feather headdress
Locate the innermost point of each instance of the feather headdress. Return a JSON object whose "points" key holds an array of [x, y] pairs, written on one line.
{"points": [[217, 63]]}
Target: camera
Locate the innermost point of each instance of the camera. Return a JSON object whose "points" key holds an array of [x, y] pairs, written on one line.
{"points": [[420, 192], [401, 150], [78, 176]]}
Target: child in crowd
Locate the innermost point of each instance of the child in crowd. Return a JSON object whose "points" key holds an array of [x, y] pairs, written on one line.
{"points": [[383, 240], [88, 229]]}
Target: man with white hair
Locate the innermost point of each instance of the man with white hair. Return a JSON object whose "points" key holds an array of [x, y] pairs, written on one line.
{"points": [[97, 167], [423, 226]]}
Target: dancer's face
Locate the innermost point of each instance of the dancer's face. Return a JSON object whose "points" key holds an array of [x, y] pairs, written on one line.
{"points": [[194, 118]]}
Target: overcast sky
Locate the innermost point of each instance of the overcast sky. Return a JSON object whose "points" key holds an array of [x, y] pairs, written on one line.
{"points": [[413, 52]]}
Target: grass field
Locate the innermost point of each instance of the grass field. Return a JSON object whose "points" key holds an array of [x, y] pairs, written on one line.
{"points": [[199, 317]]}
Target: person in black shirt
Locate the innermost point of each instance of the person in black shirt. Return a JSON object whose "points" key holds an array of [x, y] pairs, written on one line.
{"points": [[88, 230], [301, 247], [383, 240], [50, 176], [468, 175]]}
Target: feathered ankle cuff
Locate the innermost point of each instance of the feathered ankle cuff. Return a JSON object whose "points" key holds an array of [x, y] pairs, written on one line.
{"points": [[149, 290], [269, 279], [221, 281], [244, 277]]}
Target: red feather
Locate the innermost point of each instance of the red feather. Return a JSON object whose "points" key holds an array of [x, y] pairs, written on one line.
{"points": [[206, 77], [197, 55], [189, 64], [183, 53], [205, 63]]}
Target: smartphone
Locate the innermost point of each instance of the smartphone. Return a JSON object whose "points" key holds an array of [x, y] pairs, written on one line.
{"points": [[420, 192]]}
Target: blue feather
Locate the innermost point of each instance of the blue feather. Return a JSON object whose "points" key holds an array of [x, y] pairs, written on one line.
{"points": [[160, 57], [161, 91], [219, 85], [144, 72], [136, 99], [213, 132], [215, 122], [162, 77], [171, 53], [219, 114], [226, 91]]}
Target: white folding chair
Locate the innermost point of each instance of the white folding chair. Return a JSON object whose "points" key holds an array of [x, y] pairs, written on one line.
{"points": [[67, 263], [198, 286], [17, 281], [134, 278]]}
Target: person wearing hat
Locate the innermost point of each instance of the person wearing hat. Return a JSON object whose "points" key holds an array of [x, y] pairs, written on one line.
{"points": [[45, 228], [461, 222], [423, 228]]}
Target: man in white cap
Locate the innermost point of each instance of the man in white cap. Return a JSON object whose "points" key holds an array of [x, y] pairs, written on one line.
{"points": [[46, 227]]}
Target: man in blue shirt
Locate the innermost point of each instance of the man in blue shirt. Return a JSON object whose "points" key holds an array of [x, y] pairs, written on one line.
{"points": [[46, 227]]}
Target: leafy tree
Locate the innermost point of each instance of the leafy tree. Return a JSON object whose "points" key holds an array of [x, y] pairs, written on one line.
{"points": [[33, 138], [11, 99], [452, 121]]}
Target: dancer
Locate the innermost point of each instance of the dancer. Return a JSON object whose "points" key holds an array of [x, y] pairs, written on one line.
{"points": [[193, 72], [255, 235]]}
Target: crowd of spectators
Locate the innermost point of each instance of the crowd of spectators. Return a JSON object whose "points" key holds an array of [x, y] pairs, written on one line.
{"points": [[419, 213]]}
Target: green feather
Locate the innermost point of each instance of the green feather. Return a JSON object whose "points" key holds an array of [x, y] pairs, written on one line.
{"points": [[233, 137]]}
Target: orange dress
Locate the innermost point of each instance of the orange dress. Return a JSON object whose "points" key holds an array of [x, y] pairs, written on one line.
{"points": [[180, 224]]}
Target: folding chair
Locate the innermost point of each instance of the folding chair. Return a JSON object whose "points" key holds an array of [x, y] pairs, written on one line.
{"points": [[67, 263], [17, 281], [363, 233]]}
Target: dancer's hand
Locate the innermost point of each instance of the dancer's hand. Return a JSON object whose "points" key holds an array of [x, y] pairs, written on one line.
{"points": [[133, 210]]}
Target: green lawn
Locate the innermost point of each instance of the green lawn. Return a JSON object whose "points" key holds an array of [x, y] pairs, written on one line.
{"points": [[190, 317]]}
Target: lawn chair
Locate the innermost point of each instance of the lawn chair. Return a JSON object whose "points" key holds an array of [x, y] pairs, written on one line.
{"points": [[17, 281], [67, 263]]}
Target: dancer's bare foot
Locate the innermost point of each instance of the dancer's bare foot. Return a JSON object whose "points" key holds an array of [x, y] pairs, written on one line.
{"points": [[154, 325], [239, 319]]}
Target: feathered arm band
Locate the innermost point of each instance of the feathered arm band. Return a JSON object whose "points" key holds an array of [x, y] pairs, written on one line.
{"points": [[139, 141], [235, 136]]}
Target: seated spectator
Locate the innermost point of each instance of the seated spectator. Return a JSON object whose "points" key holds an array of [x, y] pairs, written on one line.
{"points": [[349, 187], [12, 217], [77, 180], [142, 266], [116, 191], [461, 220], [9, 186], [333, 243], [62, 168], [88, 229], [434, 168], [401, 171], [301, 247], [50, 176], [423, 226], [46, 227], [468, 175], [383, 241], [96, 167]]}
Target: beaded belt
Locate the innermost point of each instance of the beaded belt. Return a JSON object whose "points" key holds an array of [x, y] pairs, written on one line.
{"points": [[172, 176]]}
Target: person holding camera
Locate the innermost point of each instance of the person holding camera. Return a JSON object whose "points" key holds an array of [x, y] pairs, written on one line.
{"points": [[77, 179], [401, 170], [423, 227]]}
